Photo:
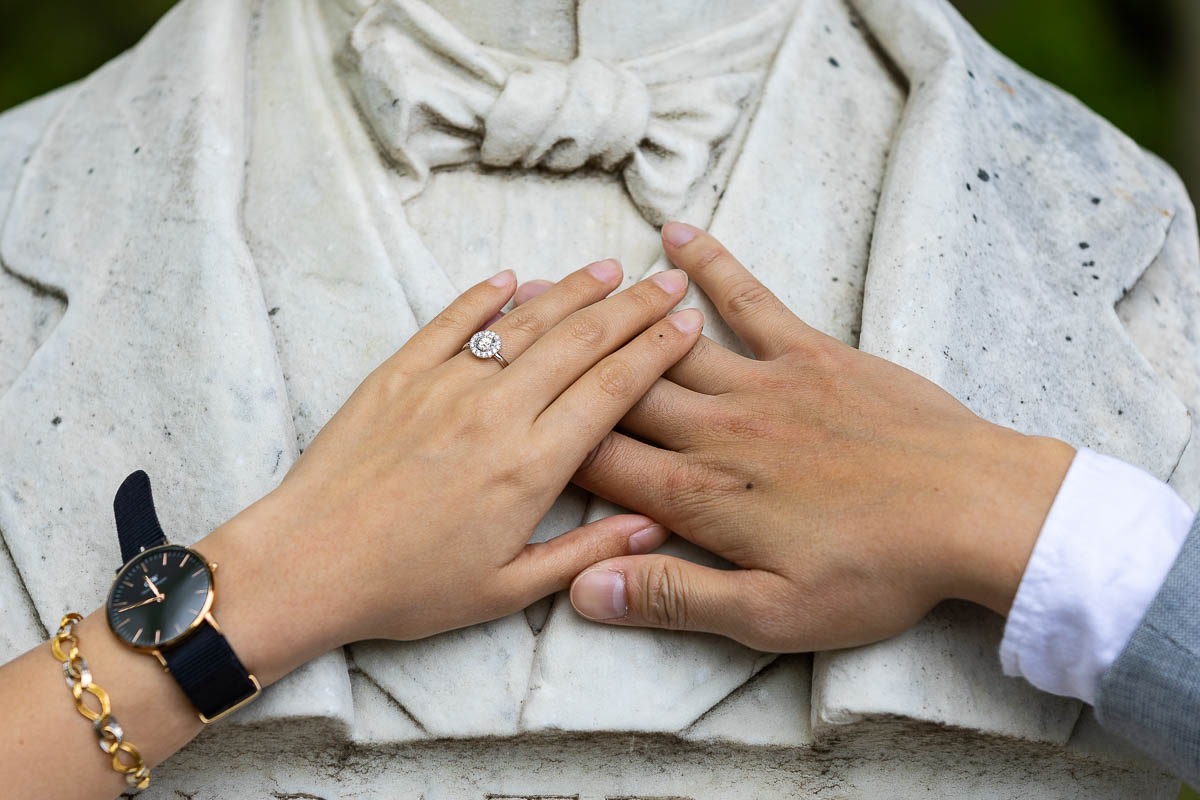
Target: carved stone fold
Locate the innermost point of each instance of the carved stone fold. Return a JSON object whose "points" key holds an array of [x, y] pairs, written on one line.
{"points": [[206, 245]]}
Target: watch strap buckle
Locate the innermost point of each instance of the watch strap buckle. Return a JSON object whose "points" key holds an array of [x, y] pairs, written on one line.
{"points": [[244, 701]]}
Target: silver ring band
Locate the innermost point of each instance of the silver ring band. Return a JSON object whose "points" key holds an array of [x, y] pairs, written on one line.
{"points": [[485, 345]]}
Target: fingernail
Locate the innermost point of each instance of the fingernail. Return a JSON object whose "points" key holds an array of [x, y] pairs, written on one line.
{"points": [[528, 291], [502, 278], [600, 594], [678, 234], [671, 281], [607, 270], [688, 320], [647, 539]]}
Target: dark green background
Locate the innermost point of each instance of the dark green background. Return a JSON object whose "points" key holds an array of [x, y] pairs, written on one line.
{"points": [[1128, 59], [1133, 61]]}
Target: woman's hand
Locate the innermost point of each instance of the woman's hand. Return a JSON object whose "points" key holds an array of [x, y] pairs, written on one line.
{"points": [[853, 493], [410, 513]]}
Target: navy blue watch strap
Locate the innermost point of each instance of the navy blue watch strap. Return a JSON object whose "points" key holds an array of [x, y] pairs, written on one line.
{"points": [[137, 522], [209, 672], [203, 663]]}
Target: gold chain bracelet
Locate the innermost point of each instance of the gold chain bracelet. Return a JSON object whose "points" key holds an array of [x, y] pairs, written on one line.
{"points": [[108, 730]]}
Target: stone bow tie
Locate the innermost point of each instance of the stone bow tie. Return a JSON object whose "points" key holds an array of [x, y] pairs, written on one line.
{"points": [[435, 98]]}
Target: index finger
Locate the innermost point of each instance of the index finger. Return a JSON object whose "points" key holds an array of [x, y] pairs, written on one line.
{"points": [[755, 314]]}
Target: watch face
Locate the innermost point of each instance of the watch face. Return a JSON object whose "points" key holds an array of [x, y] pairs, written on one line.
{"points": [[159, 596]]}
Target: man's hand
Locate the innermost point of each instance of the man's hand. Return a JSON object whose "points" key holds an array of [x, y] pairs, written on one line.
{"points": [[852, 493]]}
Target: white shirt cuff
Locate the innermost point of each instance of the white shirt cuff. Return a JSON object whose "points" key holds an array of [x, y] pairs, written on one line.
{"points": [[1108, 542]]}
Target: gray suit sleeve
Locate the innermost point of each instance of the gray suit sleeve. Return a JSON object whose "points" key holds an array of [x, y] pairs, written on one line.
{"points": [[1151, 693]]}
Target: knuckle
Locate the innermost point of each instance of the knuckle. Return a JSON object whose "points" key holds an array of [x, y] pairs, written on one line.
{"points": [[450, 319], [685, 485], [587, 329], [814, 363], [616, 378], [709, 255], [524, 467], [646, 299], [385, 383], [743, 424], [664, 593], [529, 464], [474, 406], [827, 352], [746, 296], [700, 487], [474, 416], [677, 481], [527, 324], [784, 375]]}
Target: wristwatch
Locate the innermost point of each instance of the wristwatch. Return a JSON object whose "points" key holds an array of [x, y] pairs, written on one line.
{"points": [[161, 603]]}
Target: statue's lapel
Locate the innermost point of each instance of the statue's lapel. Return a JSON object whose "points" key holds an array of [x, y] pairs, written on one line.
{"points": [[334, 253], [798, 208], [1010, 223], [164, 359]]}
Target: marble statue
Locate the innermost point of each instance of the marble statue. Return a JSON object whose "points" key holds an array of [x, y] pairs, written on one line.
{"points": [[207, 244]]}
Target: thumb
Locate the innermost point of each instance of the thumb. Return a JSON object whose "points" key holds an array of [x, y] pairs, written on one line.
{"points": [[664, 592]]}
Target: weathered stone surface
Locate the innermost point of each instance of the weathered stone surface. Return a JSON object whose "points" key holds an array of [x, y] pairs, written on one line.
{"points": [[957, 643], [1011, 222], [666, 679], [892, 762], [28, 312], [27, 315], [141, 231], [210, 241], [1159, 312], [771, 709]]}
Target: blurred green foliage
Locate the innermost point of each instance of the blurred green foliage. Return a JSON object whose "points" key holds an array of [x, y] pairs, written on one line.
{"points": [[1115, 55], [1121, 57], [1189, 794], [1118, 56], [47, 43]]}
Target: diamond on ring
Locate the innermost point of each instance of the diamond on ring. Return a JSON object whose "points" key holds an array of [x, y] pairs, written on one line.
{"points": [[485, 344]]}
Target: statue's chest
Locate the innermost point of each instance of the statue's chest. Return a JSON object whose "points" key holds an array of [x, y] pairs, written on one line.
{"points": [[542, 225]]}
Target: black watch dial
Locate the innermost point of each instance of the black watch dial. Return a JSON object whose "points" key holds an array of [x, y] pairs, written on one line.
{"points": [[160, 596]]}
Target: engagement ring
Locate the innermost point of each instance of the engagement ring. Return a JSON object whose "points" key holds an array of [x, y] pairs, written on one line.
{"points": [[486, 344]]}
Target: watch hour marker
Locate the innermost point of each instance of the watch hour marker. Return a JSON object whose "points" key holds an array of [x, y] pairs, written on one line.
{"points": [[122, 623], [156, 635], [197, 572], [127, 583], [185, 558], [164, 559], [195, 611], [136, 635]]}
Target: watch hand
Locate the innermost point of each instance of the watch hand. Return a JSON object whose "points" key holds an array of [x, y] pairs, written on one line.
{"points": [[137, 605], [157, 594]]}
